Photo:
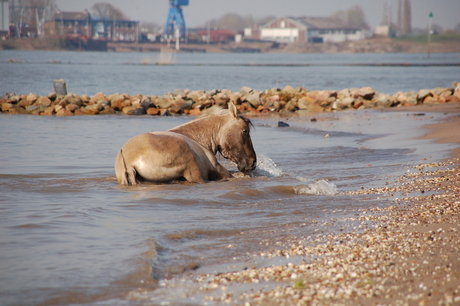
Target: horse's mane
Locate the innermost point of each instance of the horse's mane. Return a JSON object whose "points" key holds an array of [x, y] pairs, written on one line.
{"points": [[218, 112]]}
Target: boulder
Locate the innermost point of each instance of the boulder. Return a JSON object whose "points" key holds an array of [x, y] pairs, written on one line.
{"points": [[6, 106], [17, 110], [126, 110], [367, 93], [32, 97], [24, 104], [72, 107], [245, 90], [64, 112], [162, 103], [107, 111], [138, 111], [289, 89], [423, 93], [254, 99], [382, 100], [45, 101], [74, 99], [52, 96], [153, 111]]}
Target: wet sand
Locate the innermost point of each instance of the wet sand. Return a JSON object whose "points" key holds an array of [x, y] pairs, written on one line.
{"points": [[406, 252]]}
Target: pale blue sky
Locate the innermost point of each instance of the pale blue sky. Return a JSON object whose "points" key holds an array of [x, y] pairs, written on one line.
{"points": [[446, 12]]}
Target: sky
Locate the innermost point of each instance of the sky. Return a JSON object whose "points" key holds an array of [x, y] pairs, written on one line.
{"points": [[446, 12]]}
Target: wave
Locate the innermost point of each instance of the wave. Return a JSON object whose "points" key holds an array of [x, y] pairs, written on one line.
{"points": [[320, 187]]}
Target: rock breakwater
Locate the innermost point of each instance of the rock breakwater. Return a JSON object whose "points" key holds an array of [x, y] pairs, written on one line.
{"points": [[197, 102]]}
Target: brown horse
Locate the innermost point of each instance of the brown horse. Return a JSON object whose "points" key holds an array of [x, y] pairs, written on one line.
{"points": [[188, 151]]}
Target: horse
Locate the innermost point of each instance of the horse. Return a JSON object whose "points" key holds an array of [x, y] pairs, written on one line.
{"points": [[188, 151]]}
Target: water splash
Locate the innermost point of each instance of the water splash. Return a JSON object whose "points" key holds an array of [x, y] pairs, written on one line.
{"points": [[266, 167], [320, 187]]}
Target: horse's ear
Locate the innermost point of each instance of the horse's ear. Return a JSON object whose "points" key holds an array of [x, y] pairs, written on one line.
{"points": [[232, 109]]}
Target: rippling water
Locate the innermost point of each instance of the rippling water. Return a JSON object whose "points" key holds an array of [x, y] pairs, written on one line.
{"points": [[93, 72], [69, 234]]}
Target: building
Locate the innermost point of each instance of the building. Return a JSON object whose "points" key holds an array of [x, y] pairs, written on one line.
{"points": [[4, 18], [306, 29], [81, 25]]}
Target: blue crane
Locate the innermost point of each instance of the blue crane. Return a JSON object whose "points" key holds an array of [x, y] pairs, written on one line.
{"points": [[176, 19]]}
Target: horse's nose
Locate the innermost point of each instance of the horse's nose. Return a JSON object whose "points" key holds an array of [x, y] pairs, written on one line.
{"points": [[248, 167]]}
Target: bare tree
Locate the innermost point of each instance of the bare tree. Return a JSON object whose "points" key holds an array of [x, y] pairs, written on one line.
{"points": [[353, 17], [32, 13], [108, 11]]}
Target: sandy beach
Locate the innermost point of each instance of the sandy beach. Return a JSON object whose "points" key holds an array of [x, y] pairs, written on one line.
{"points": [[406, 252]]}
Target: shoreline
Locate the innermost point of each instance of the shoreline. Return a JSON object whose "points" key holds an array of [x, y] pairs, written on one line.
{"points": [[405, 252]]}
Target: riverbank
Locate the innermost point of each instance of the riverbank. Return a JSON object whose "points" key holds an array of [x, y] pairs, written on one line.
{"points": [[405, 252], [287, 100], [372, 45]]}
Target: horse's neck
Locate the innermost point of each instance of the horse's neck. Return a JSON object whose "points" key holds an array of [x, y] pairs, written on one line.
{"points": [[202, 130]]}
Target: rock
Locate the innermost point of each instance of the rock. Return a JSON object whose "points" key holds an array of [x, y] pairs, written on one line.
{"points": [[423, 93], [95, 107], [254, 99], [289, 89], [282, 124], [153, 111], [32, 97], [245, 90], [138, 111], [7, 95], [6, 106], [344, 93], [64, 112], [366, 93], [303, 103], [17, 110], [74, 99], [45, 101], [24, 104], [382, 100], [430, 100], [289, 107], [107, 111], [52, 96], [48, 111], [195, 112], [163, 103], [127, 109], [147, 103], [36, 108], [72, 107]]}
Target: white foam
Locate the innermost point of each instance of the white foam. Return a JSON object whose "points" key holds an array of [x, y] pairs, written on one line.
{"points": [[266, 167], [320, 187]]}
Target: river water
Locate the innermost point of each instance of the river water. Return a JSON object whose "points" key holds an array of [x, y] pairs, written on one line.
{"points": [[69, 234]]}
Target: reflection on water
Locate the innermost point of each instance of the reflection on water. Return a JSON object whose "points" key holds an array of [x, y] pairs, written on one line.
{"points": [[70, 234]]}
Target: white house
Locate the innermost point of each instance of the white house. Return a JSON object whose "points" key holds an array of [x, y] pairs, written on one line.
{"points": [[306, 29]]}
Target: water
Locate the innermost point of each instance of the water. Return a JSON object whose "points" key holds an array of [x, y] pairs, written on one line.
{"points": [[93, 72], [69, 234]]}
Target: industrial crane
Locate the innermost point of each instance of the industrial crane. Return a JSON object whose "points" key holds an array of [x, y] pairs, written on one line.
{"points": [[176, 21]]}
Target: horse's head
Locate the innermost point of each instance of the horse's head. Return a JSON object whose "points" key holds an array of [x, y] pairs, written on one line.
{"points": [[235, 142]]}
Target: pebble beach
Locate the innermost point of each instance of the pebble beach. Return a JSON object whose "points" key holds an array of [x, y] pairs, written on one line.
{"points": [[406, 252]]}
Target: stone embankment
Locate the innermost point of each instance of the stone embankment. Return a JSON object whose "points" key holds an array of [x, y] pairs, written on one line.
{"points": [[286, 100]]}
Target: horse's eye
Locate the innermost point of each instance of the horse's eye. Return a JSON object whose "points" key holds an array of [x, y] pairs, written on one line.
{"points": [[245, 132]]}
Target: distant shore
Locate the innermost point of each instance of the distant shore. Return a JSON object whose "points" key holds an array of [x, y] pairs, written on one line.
{"points": [[374, 45]]}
